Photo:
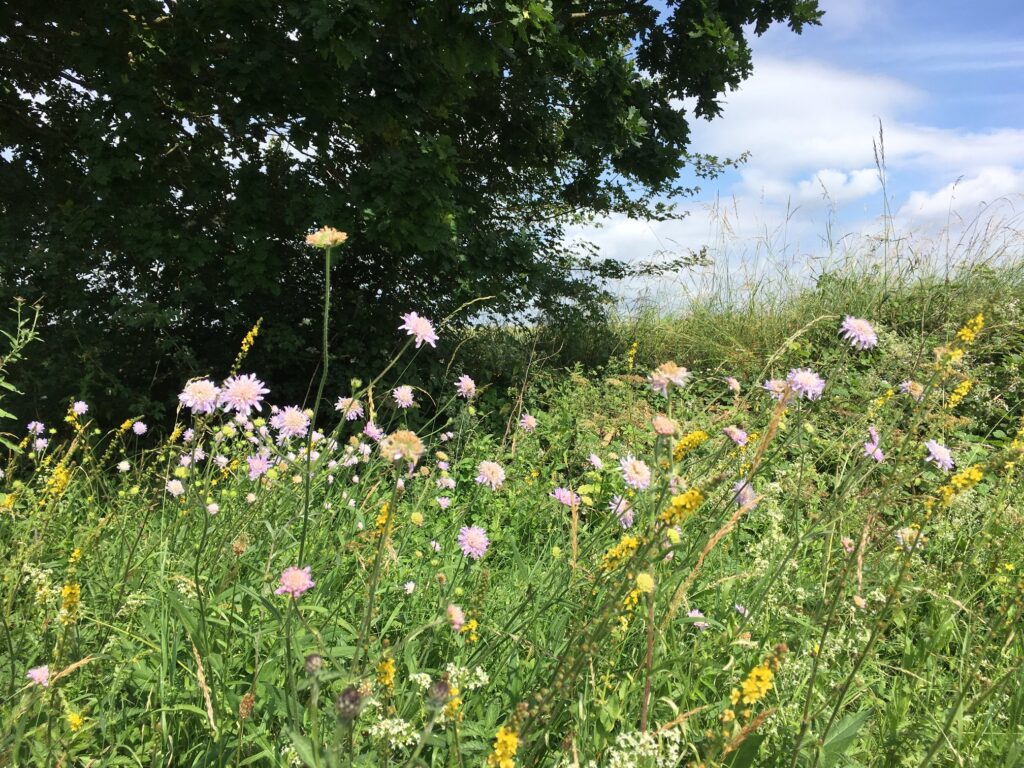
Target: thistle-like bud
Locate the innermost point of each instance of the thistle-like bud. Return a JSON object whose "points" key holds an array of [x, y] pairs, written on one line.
{"points": [[348, 704], [438, 693], [314, 663]]}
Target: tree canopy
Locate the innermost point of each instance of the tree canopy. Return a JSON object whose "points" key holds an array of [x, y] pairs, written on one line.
{"points": [[161, 162]]}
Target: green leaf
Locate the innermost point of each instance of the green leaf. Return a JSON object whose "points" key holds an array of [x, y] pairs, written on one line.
{"points": [[841, 737]]}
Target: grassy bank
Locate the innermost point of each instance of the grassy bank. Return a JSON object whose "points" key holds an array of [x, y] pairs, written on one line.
{"points": [[549, 573]]}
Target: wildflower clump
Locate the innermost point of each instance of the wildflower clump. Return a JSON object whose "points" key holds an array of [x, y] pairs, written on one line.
{"points": [[682, 507], [971, 329], [959, 483], [506, 743], [386, 673], [621, 552], [689, 442]]}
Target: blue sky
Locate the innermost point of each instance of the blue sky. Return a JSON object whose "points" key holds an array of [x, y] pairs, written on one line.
{"points": [[946, 79]]}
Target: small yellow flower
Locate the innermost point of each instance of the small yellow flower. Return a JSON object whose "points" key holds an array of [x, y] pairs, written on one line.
{"points": [[386, 673], [326, 237], [645, 583], [416, 518], [506, 743], [75, 720]]}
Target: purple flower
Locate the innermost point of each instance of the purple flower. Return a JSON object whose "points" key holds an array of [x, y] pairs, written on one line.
{"points": [[373, 432], [636, 474], [139, 428], [698, 625], [527, 423], [243, 393], [351, 409], [595, 461], [295, 581], [858, 332], [290, 422], [805, 383], [200, 396], [448, 483], [777, 388], [871, 449], [733, 384], [443, 502], [420, 327], [666, 374], [736, 434], [259, 465], [939, 454], [403, 396], [620, 506], [913, 389], [36, 428], [473, 541], [40, 444], [39, 676], [744, 494], [566, 497], [80, 407], [490, 473], [465, 387]]}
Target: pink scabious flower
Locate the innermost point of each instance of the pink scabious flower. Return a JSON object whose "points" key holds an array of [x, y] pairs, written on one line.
{"points": [[443, 502], [913, 389], [80, 407], [595, 461], [213, 508], [39, 675], [435, 546], [295, 581], [939, 455], [350, 408], [848, 545], [243, 394], [36, 427], [871, 449], [663, 425], [698, 625], [744, 494], [566, 497], [527, 423], [448, 483], [623, 511], [490, 473], [175, 488], [409, 586], [446, 436], [373, 432], [805, 383], [666, 374], [635, 472], [139, 428], [403, 396], [473, 541], [733, 384], [456, 617], [858, 332], [420, 327], [200, 396], [777, 388], [736, 434], [40, 444], [259, 465], [465, 387], [290, 422]]}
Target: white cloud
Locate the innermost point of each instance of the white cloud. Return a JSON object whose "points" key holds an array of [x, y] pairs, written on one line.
{"points": [[966, 197]]}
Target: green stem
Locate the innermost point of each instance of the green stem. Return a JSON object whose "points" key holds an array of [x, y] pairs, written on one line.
{"points": [[308, 480]]}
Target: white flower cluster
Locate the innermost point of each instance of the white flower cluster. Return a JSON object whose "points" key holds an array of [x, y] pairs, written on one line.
{"points": [[638, 750], [465, 679], [395, 731]]}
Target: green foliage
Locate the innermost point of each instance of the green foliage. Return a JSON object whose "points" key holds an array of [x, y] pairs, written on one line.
{"points": [[807, 627], [165, 160]]}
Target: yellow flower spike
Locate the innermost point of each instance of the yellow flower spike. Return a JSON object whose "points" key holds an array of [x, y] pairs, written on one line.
{"points": [[688, 443]]}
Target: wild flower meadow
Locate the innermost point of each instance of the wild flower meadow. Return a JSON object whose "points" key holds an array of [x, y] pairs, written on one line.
{"points": [[819, 564]]}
